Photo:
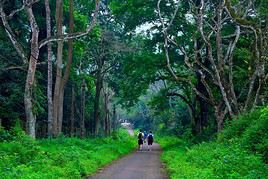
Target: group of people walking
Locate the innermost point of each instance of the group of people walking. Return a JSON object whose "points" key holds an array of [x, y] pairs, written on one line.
{"points": [[143, 137]]}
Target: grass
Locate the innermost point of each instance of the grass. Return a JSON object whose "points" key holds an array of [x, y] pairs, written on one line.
{"points": [[240, 151], [23, 157], [210, 160]]}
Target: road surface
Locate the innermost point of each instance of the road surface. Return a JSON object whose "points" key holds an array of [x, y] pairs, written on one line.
{"points": [[137, 165]]}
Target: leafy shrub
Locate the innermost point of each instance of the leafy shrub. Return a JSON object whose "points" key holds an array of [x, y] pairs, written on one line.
{"points": [[255, 137], [211, 160], [236, 127], [168, 142], [240, 151], [23, 157], [250, 130], [4, 135], [226, 161], [16, 132]]}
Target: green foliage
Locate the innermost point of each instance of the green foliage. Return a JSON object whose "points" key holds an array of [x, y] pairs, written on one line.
{"points": [[239, 152], [15, 133], [60, 158], [250, 130], [168, 142], [236, 127], [255, 136], [210, 160]]}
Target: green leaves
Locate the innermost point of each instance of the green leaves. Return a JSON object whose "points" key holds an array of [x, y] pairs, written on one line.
{"points": [[210, 160], [60, 158]]}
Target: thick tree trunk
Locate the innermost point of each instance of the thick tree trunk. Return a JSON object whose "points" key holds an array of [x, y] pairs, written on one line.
{"points": [[202, 119], [220, 113], [30, 116], [219, 123], [60, 109], [56, 102], [82, 120], [114, 118], [61, 82], [106, 109], [72, 112], [97, 102], [49, 72], [68, 65]]}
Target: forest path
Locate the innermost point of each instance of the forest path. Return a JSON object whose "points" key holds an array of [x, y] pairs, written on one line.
{"points": [[142, 164]]}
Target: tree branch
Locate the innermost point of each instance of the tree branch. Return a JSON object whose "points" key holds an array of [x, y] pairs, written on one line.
{"points": [[12, 36], [25, 3], [76, 34]]}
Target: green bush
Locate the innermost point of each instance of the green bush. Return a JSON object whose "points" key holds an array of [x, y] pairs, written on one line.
{"points": [[250, 130], [16, 133], [240, 151], [23, 157], [226, 161], [211, 160], [235, 128], [255, 137]]}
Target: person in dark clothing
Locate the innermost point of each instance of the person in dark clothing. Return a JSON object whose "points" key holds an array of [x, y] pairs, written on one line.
{"points": [[140, 139], [150, 140], [145, 136]]}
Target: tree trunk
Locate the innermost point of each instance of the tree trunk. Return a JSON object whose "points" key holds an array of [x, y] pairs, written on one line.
{"points": [[72, 112], [82, 120], [30, 116], [49, 72], [202, 119], [60, 109], [219, 123], [68, 65], [220, 113], [113, 126], [62, 81], [56, 102], [106, 109], [97, 102]]}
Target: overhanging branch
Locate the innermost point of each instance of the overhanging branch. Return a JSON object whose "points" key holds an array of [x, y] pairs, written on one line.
{"points": [[76, 34]]}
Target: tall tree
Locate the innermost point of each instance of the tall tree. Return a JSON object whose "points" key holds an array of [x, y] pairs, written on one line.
{"points": [[58, 96], [34, 54], [49, 73]]}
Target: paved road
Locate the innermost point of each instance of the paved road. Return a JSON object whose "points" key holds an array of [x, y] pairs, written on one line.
{"points": [[137, 165]]}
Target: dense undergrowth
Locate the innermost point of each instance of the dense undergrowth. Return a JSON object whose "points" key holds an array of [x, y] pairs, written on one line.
{"points": [[22, 157], [240, 151]]}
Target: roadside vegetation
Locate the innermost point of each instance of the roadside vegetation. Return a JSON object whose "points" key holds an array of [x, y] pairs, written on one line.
{"points": [[240, 151], [23, 157]]}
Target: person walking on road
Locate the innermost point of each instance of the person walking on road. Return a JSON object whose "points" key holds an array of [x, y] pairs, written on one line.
{"points": [[140, 139], [150, 140], [145, 136]]}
